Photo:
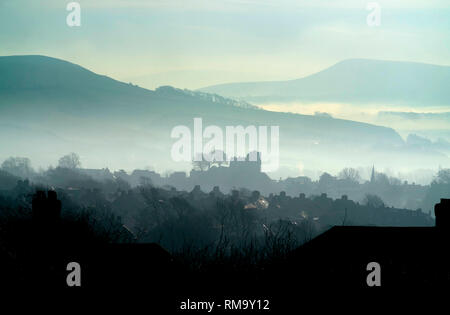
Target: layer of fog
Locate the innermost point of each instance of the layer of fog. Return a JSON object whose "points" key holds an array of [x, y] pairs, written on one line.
{"points": [[431, 126], [119, 145]]}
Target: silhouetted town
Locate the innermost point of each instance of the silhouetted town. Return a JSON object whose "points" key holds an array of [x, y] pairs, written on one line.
{"points": [[212, 220]]}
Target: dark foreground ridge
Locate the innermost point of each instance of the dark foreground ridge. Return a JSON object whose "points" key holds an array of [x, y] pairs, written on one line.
{"points": [[342, 257]]}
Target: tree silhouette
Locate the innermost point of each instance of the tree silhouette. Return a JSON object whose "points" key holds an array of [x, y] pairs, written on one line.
{"points": [[71, 160], [18, 166], [350, 174], [373, 201], [443, 176]]}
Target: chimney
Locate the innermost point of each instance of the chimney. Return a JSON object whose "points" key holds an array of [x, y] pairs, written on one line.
{"points": [[442, 213]]}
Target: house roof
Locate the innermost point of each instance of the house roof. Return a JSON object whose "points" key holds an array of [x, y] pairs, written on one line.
{"points": [[373, 241]]}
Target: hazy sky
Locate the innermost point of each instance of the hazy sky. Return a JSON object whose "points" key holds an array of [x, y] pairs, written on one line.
{"points": [[193, 43]]}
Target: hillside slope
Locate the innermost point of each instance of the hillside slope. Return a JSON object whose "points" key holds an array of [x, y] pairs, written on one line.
{"points": [[354, 81], [49, 107]]}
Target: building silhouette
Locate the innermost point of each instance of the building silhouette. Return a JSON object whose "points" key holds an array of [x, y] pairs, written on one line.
{"points": [[408, 256]]}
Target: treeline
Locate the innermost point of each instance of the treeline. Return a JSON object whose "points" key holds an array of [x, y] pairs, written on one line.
{"points": [[184, 219], [242, 229], [393, 192]]}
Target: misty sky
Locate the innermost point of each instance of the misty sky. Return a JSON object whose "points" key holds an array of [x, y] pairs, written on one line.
{"points": [[193, 43]]}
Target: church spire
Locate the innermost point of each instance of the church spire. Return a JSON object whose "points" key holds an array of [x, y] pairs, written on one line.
{"points": [[372, 177]]}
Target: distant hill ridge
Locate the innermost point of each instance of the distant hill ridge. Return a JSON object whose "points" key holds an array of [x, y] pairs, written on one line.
{"points": [[353, 81], [41, 72], [49, 107]]}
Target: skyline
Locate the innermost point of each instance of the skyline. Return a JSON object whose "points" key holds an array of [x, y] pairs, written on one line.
{"points": [[202, 43], [193, 44]]}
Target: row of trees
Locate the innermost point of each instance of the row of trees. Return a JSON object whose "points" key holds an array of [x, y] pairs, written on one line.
{"points": [[392, 190], [21, 166], [352, 175]]}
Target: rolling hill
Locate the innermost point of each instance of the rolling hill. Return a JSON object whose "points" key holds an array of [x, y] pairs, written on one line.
{"points": [[353, 81], [49, 107]]}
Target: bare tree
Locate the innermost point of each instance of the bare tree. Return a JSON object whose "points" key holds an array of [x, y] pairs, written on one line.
{"points": [[350, 174], [373, 201], [18, 166], [443, 176], [71, 160]]}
